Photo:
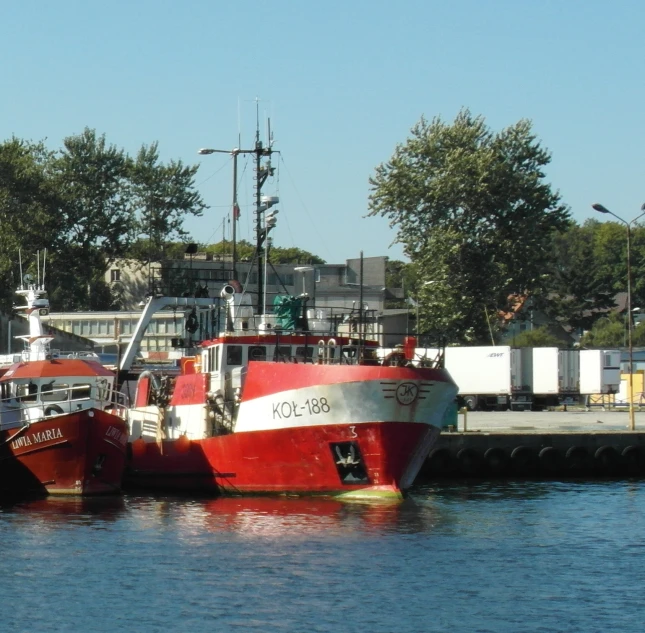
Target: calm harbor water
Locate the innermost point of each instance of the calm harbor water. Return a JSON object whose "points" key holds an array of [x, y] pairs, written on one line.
{"points": [[529, 556]]}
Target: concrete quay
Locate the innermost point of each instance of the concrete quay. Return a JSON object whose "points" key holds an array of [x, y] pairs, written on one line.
{"points": [[548, 444]]}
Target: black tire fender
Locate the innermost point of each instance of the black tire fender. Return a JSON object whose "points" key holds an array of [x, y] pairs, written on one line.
{"points": [[496, 460]]}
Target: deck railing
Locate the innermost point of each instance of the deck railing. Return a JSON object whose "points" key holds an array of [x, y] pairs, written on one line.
{"points": [[19, 409]]}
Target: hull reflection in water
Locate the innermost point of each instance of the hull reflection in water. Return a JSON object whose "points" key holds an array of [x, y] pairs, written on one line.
{"points": [[57, 510], [288, 518]]}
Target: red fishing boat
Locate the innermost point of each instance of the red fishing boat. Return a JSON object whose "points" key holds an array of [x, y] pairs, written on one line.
{"points": [[62, 422], [238, 419], [271, 404]]}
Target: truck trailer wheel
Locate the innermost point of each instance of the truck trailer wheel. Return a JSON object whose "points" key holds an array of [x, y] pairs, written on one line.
{"points": [[471, 402]]}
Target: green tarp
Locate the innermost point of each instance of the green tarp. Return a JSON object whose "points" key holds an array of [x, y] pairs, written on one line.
{"points": [[287, 311]]}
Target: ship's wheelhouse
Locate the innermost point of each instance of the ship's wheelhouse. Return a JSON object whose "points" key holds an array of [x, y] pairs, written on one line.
{"points": [[31, 391], [226, 355]]}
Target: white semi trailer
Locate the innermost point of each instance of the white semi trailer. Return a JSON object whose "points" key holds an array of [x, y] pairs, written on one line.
{"points": [[500, 377]]}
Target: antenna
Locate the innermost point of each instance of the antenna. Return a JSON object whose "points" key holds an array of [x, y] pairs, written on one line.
{"points": [[257, 120], [20, 261], [44, 260], [269, 134], [239, 125], [38, 268]]}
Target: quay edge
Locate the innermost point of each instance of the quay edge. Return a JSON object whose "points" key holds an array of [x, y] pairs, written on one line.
{"points": [[544, 446]]}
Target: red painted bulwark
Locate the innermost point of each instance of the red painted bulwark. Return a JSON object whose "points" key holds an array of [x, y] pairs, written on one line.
{"points": [[189, 389], [264, 379]]}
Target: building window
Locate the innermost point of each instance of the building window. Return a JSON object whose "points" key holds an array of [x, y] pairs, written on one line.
{"points": [[115, 274]]}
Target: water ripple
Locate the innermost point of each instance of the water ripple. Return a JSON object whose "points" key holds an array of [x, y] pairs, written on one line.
{"points": [[529, 556]]}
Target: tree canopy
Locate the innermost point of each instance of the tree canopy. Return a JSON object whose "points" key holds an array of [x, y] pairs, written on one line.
{"points": [[539, 337], [475, 216], [277, 254], [88, 204]]}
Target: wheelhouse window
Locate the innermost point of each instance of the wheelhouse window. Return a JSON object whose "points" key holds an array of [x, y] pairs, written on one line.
{"points": [[213, 358], [54, 392], [233, 354], [5, 391], [27, 392], [350, 352], [81, 392], [300, 354], [257, 352], [283, 352]]}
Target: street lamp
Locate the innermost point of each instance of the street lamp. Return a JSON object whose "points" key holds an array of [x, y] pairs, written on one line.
{"points": [[630, 326]]}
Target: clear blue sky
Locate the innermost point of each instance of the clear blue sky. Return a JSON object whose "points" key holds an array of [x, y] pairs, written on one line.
{"points": [[343, 82]]}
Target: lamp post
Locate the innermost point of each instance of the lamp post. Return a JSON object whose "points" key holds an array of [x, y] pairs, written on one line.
{"points": [[205, 151], [630, 326], [262, 203]]}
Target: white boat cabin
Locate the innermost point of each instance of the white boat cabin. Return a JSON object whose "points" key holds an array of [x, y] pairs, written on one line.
{"points": [[31, 391]]}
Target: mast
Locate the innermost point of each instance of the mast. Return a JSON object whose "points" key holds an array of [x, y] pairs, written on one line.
{"points": [[262, 172], [236, 211], [263, 224]]}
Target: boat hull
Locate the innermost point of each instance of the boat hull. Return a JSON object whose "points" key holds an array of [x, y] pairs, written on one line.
{"points": [[81, 453], [370, 459]]}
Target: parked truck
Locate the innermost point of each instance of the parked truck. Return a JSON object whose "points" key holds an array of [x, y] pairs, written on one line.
{"points": [[599, 371], [501, 377]]}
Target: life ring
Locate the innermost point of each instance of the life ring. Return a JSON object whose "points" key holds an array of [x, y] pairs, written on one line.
{"points": [[53, 409]]}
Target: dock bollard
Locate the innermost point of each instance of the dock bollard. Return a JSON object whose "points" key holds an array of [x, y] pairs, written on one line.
{"points": [[464, 412]]}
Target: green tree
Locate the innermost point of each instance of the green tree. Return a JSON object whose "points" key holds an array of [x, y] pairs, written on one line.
{"points": [[163, 196], [293, 255], [88, 204], [475, 216], [608, 331], [581, 275], [29, 209], [539, 337], [277, 254], [96, 218]]}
